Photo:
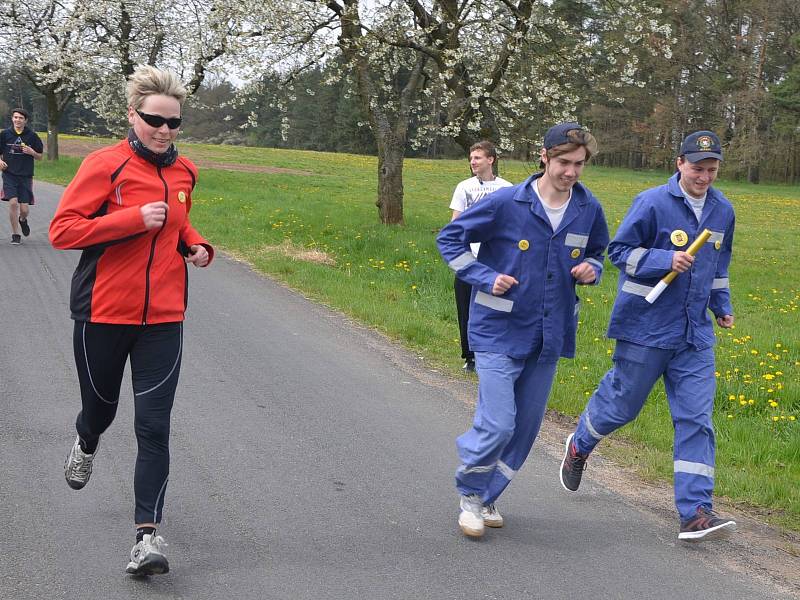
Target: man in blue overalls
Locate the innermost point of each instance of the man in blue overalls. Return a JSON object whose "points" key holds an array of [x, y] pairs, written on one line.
{"points": [[538, 240], [673, 337]]}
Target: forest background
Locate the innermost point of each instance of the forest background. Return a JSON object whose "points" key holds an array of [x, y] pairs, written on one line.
{"points": [[727, 65]]}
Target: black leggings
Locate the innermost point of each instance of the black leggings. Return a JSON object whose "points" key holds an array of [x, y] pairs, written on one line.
{"points": [[463, 292], [101, 352]]}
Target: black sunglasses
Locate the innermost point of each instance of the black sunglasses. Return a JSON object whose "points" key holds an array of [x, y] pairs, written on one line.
{"points": [[158, 120]]}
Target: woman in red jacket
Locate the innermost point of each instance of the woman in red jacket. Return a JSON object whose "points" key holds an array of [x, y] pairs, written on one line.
{"points": [[127, 210]]}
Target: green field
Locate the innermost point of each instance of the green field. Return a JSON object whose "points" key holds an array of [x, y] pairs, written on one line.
{"points": [[318, 231]]}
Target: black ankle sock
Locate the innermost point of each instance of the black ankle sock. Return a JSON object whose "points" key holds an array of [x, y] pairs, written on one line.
{"points": [[86, 447], [142, 531]]}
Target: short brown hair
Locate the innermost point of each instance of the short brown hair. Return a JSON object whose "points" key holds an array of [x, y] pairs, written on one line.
{"points": [[21, 111], [578, 138], [489, 149], [485, 146]]}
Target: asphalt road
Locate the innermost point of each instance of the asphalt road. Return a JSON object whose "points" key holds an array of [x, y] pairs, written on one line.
{"points": [[310, 459]]}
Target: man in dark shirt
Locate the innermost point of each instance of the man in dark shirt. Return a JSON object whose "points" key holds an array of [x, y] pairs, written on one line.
{"points": [[19, 146]]}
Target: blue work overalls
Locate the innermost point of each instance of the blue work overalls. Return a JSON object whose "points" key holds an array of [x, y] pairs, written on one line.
{"points": [[518, 337], [673, 338]]}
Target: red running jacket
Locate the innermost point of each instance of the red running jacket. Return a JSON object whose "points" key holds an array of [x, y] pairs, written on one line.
{"points": [[127, 275]]}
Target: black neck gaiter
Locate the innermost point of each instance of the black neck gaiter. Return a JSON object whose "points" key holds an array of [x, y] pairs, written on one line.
{"points": [[160, 160]]}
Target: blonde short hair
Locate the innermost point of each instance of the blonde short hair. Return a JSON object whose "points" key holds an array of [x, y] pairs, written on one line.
{"points": [[147, 80]]}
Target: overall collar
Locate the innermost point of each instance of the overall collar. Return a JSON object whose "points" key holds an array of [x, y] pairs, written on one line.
{"points": [[677, 193], [580, 198]]}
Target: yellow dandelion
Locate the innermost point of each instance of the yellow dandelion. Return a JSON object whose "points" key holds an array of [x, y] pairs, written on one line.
{"points": [[776, 418], [751, 402], [791, 417]]}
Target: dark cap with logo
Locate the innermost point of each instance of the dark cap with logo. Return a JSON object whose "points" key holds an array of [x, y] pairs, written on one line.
{"points": [[557, 134], [701, 145]]}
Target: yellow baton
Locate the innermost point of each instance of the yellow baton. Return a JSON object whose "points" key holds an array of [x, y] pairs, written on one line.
{"points": [[667, 279]]}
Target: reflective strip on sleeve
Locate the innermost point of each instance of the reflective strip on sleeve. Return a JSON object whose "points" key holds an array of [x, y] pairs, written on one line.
{"points": [[694, 468], [507, 471], [633, 260], [720, 284], [590, 428], [716, 236], [462, 261], [594, 263], [494, 302], [576, 240], [636, 288]]}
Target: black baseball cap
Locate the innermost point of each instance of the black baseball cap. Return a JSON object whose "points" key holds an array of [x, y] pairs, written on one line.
{"points": [[557, 134], [701, 145]]}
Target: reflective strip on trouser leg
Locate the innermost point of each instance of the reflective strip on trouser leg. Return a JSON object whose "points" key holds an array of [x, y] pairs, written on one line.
{"points": [[493, 425], [689, 381], [621, 393], [530, 395]]}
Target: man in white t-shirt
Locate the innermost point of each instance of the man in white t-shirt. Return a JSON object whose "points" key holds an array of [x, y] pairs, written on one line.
{"points": [[483, 163]]}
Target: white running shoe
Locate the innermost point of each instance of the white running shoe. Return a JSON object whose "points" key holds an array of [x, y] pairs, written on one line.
{"points": [[470, 519], [491, 516], [78, 466], [147, 556]]}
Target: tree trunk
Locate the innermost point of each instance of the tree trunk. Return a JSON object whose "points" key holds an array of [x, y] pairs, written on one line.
{"points": [[753, 175], [53, 117], [390, 182]]}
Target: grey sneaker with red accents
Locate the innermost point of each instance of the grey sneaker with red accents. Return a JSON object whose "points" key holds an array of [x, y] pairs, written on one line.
{"points": [[572, 466], [706, 525]]}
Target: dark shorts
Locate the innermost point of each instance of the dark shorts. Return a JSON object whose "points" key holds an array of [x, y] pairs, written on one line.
{"points": [[17, 187]]}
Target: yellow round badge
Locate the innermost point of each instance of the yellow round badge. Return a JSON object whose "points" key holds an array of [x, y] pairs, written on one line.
{"points": [[523, 245], [181, 196], [575, 253], [717, 245], [679, 238]]}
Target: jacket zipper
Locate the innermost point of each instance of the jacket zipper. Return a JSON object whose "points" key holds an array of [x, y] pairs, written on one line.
{"points": [[153, 250]]}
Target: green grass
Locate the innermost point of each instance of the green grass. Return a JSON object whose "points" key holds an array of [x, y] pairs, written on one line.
{"points": [[393, 279]]}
